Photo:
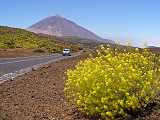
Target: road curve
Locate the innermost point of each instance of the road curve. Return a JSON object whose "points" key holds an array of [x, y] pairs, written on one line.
{"points": [[10, 66]]}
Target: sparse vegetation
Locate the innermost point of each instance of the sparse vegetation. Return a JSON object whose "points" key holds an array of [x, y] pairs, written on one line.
{"points": [[114, 84], [82, 42], [18, 38]]}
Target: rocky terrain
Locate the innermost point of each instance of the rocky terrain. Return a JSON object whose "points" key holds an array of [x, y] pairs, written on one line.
{"points": [[38, 95]]}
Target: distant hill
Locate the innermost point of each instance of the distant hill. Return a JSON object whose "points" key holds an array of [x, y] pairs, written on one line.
{"points": [[19, 38], [153, 47], [62, 27], [82, 42], [109, 41]]}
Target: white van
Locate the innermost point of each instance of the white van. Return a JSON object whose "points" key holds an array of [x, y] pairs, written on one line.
{"points": [[66, 52]]}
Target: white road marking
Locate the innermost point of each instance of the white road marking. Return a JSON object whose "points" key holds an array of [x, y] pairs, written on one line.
{"points": [[27, 57], [23, 60]]}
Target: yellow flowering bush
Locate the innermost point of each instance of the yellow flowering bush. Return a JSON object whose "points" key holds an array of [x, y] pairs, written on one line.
{"points": [[114, 84]]}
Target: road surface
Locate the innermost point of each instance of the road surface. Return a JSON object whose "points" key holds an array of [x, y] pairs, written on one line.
{"points": [[13, 65]]}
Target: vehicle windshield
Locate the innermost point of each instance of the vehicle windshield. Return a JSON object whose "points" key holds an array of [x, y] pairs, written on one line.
{"points": [[66, 50]]}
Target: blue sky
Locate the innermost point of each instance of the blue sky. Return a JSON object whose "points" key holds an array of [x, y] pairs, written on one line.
{"points": [[133, 20]]}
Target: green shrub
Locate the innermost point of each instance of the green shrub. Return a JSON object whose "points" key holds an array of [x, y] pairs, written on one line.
{"points": [[10, 43], [114, 84]]}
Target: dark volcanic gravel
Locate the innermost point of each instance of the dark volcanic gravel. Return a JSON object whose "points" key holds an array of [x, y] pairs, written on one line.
{"points": [[38, 95]]}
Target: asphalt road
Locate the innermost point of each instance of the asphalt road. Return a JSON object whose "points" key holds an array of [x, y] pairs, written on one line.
{"points": [[11, 65]]}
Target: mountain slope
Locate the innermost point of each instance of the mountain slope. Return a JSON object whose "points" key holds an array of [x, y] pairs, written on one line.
{"points": [[18, 38], [59, 26]]}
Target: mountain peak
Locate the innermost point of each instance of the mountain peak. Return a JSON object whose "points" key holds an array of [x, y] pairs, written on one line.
{"points": [[58, 16], [60, 26], [54, 17]]}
